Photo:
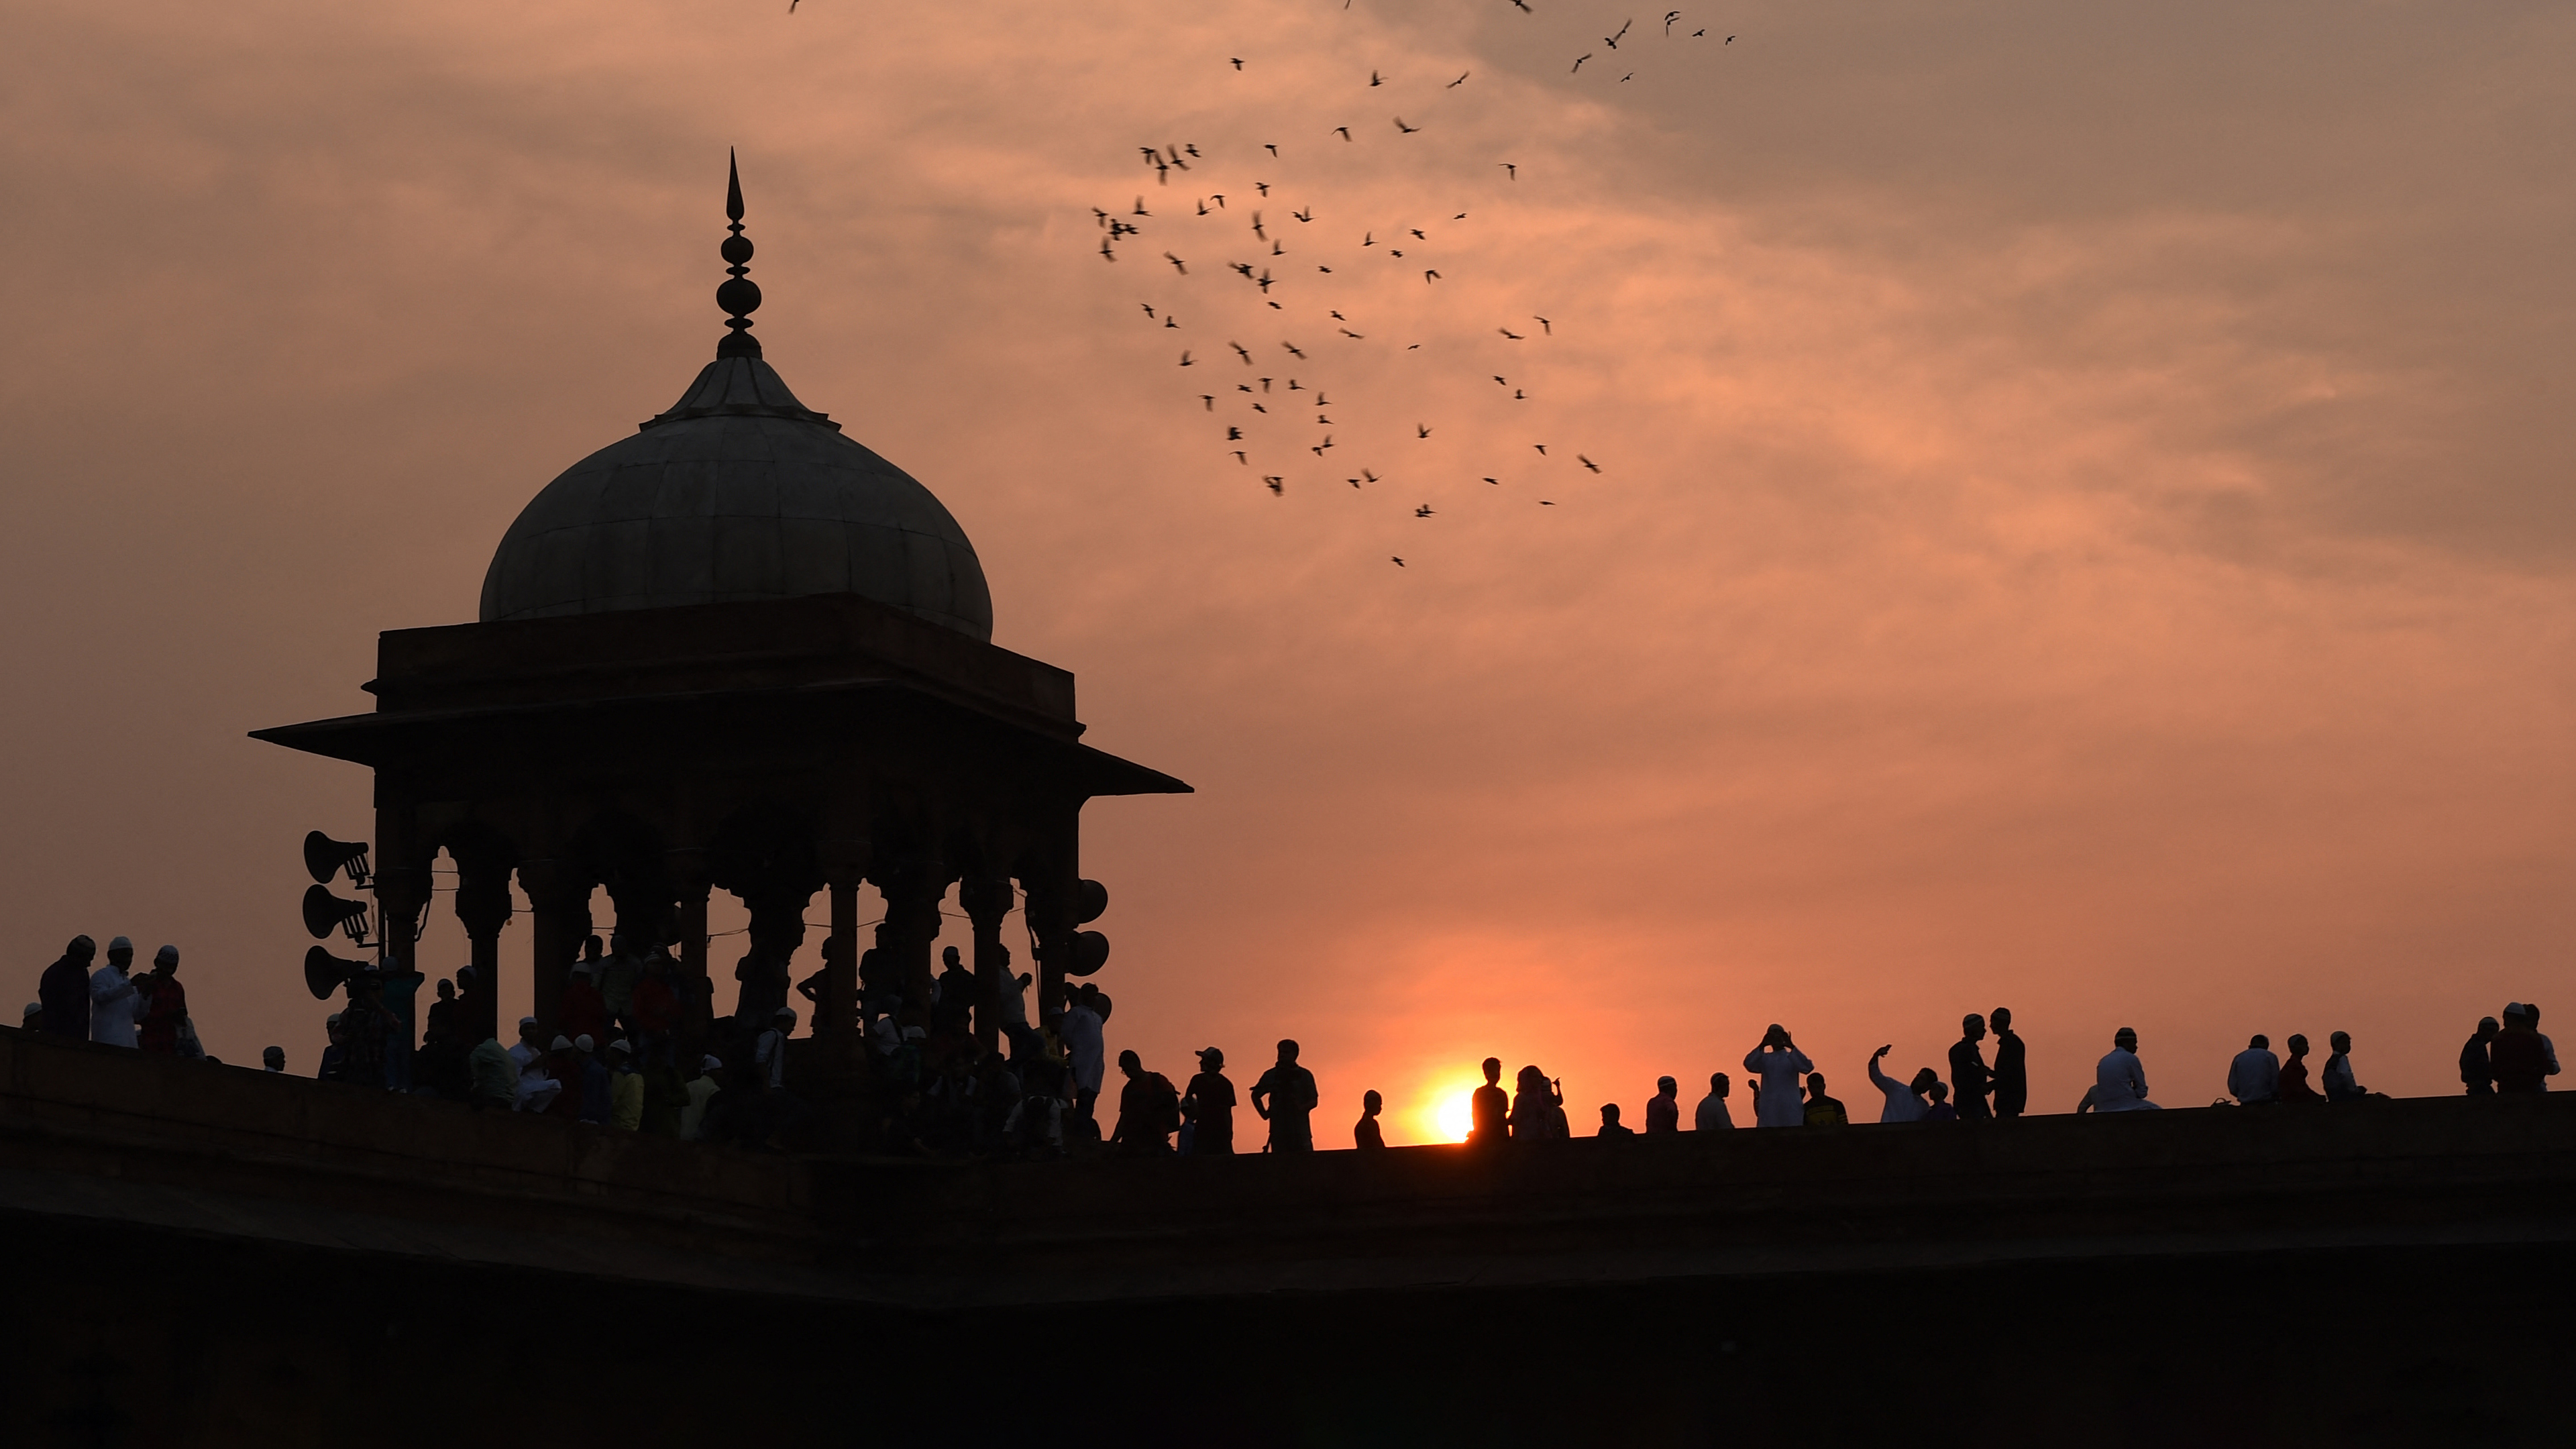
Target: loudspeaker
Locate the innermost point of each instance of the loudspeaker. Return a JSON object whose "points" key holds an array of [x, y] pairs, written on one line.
{"points": [[325, 973], [1090, 953], [325, 858], [325, 913]]}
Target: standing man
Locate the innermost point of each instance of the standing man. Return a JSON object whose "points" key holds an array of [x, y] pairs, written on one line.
{"points": [[1149, 1110], [166, 1009], [2254, 1078], [114, 1003], [1711, 1115], [1286, 1096], [2477, 1069], [1664, 1109], [1209, 1106], [1079, 1029], [1780, 1068], [1970, 1082], [64, 991], [2012, 1071]]}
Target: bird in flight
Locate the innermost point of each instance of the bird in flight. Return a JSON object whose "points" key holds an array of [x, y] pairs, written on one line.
{"points": [[1579, 60], [1423, 512], [1238, 457], [1497, 482], [1185, 362], [1238, 61], [1417, 231], [1614, 41], [1669, 17], [1421, 431], [1345, 130], [1460, 81], [1544, 325], [1265, 187], [1507, 332], [1506, 165], [1277, 483], [1234, 434], [1346, 332], [1256, 227], [1140, 207], [1542, 449], [1303, 215], [1403, 128], [1105, 251], [1321, 268], [1273, 150], [1372, 477], [1375, 79], [1177, 264], [1206, 397], [1500, 382], [1399, 563], [1547, 503], [1318, 449], [1623, 80], [1148, 306], [1293, 352], [1241, 351], [1430, 276], [1519, 396], [1588, 463]]}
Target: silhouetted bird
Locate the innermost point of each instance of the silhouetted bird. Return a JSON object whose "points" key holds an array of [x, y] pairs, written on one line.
{"points": [[1497, 482], [1346, 332], [1514, 170], [1421, 431], [1277, 484], [1430, 276], [1105, 251], [1318, 449], [1579, 60], [1208, 398], [1345, 130], [1588, 463], [1177, 264], [1399, 563], [1293, 352], [1241, 351], [1423, 512], [1544, 326], [1407, 130], [1507, 332], [1234, 434], [1460, 81], [1273, 150], [1238, 457], [1185, 357], [1669, 17], [1303, 215], [1623, 30], [1542, 447], [1372, 477]]}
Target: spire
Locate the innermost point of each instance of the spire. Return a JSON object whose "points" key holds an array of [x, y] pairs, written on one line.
{"points": [[739, 296]]}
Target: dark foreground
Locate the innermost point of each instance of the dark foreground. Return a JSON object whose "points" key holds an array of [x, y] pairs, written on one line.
{"points": [[204, 1256]]}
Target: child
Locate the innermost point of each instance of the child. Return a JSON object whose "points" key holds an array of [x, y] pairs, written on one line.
{"points": [[1367, 1132]]}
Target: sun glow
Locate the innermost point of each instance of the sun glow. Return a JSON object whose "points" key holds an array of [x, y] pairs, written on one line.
{"points": [[1445, 1110]]}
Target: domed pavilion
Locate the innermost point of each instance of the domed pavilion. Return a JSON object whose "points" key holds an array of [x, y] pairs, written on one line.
{"points": [[738, 651]]}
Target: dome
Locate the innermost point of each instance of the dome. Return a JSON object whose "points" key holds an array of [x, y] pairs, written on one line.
{"points": [[739, 492]]}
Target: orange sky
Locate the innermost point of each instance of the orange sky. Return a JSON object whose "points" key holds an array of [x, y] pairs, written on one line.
{"points": [[2085, 521]]}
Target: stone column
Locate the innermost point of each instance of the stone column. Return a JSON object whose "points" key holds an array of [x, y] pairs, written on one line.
{"points": [[913, 889], [402, 898], [690, 883], [559, 897], [987, 901], [483, 907]]}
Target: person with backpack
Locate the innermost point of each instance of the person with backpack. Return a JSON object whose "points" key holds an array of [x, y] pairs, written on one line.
{"points": [[1149, 1110]]}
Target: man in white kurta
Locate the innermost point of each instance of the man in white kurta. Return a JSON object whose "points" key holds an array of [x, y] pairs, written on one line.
{"points": [[2119, 1083], [1781, 1100], [1904, 1099], [114, 1005]]}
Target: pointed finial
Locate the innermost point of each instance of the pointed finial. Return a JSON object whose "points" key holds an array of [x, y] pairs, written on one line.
{"points": [[738, 295]]}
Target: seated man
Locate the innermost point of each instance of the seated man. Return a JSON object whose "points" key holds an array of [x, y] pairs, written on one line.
{"points": [[1610, 1126], [2119, 1083], [1904, 1099]]}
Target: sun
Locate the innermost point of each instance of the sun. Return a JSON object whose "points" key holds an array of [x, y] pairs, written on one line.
{"points": [[1455, 1114]]}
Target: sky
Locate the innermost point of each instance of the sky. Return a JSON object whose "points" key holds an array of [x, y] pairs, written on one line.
{"points": [[2083, 520]]}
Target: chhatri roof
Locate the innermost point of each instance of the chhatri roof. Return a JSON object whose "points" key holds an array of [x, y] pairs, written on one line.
{"points": [[738, 492]]}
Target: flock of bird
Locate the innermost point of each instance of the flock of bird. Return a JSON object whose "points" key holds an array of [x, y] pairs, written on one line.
{"points": [[1204, 214]]}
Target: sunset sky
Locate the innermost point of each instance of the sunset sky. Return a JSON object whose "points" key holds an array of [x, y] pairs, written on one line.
{"points": [[2084, 524]]}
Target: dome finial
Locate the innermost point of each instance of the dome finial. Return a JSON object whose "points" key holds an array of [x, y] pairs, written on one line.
{"points": [[738, 295]]}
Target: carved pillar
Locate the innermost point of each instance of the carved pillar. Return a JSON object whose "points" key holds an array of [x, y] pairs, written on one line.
{"points": [[559, 897], [1053, 904], [690, 885], [483, 907], [913, 889], [838, 1018], [987, 901], [402, 897]]}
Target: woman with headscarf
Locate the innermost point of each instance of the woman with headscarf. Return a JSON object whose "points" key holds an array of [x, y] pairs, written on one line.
{"points": [[1538, 1107], [1781, 1099]]}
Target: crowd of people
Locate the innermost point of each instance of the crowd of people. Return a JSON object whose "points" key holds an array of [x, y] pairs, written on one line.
{"points": [[110, 1004], [621, 1055]]}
